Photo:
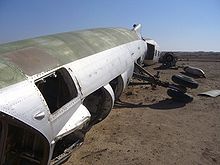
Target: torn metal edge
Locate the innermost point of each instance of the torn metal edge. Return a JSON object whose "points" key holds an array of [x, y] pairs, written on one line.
{"points": [[211, 93]]}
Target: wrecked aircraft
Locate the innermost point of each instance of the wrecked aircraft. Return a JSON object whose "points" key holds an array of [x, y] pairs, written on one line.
{"points": [[54, 88]]}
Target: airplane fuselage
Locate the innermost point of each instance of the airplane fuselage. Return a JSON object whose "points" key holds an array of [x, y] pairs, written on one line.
{"points": [[54, 88]]}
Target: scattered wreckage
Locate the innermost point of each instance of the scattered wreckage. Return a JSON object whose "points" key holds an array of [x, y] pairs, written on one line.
{"points": [[54, 88], [176, 90], [211, 93], [168, 60], [194, 71]]}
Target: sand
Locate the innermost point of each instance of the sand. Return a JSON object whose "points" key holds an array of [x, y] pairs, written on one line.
{"points": [[150, 128]]}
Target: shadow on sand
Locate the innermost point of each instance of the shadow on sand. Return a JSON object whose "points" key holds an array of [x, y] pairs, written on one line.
{"points": [[162, 67], [166, 104]]}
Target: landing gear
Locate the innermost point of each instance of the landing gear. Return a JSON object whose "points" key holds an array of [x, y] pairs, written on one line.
{"points": [[185, 81], [99, 104], [168, 60], [179, 96], [176, 90]]}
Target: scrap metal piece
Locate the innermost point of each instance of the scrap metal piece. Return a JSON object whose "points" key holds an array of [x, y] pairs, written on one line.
{"points": [[212, 93], [194, 71]]}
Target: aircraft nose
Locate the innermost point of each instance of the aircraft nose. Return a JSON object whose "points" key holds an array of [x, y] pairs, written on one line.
{"points": [[21, 144]]}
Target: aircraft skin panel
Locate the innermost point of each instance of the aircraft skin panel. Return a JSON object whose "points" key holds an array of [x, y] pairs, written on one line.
{"points": [[62, 48], [75, 122], [25, 105], [91, 71], [31, 60], [91, 74], [9, 75], [75, 63]]}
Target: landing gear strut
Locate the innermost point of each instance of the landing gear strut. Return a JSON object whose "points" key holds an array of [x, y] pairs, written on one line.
{"points": [[176, 90]]}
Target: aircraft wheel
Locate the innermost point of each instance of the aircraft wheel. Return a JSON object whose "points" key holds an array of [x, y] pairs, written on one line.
{"points": [[179, 96], [169, 58], [178, 88], [185, 81]]}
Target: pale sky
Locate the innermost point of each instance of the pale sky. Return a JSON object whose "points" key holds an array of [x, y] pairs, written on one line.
{"points": [[179, 25]]}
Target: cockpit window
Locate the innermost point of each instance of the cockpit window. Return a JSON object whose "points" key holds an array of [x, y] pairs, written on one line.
{"points": [[57, 89]]}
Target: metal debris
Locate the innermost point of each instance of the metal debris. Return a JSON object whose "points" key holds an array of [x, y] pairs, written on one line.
{"points": [[194, 71], [212, 93]]}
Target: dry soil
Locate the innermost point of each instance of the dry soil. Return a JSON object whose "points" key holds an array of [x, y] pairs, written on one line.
{"points": [[148, 127]]}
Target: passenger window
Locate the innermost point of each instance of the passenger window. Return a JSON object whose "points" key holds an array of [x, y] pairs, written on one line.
{"points": [[57, 89]]}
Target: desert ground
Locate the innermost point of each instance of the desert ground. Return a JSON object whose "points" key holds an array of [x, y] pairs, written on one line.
{"points": [[148, 127]]}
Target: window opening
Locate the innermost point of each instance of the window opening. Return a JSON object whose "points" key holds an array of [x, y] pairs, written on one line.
{"points": [[57, 89]]}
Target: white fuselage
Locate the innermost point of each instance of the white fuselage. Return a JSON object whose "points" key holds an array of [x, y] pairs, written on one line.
{"points": [[25, 102], [153, 54]]}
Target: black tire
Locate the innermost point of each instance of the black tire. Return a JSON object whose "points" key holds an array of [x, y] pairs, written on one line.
{"points": [[178, 88], [185, 81], [168, 58], [179, 96]]}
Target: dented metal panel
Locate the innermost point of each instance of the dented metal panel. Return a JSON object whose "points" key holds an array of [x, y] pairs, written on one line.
{"points": [[76, 121]]}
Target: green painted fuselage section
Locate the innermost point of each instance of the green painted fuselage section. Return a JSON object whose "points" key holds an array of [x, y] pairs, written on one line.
{"points": [[61, 48]]}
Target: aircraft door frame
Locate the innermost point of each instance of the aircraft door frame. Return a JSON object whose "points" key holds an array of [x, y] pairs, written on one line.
{"points": [[60, 115]]}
